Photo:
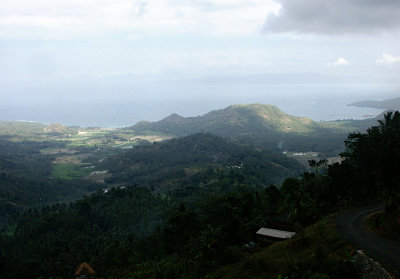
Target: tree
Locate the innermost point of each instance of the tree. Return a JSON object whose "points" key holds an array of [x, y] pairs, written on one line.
{"points": [[376, 155]]}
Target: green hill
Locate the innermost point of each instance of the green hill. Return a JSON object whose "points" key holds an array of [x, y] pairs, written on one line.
{"points": [[389, 104], [261, 125], [32, 130], [197, 159], [21, 128], [232, 121]]}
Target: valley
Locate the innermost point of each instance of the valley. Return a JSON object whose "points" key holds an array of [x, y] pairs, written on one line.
{"points": [[199, 139], [263, 126], [185, 194]]}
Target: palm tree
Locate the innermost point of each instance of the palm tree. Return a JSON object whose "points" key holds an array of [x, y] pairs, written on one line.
{"points": [[390, 121], [390, 133]]}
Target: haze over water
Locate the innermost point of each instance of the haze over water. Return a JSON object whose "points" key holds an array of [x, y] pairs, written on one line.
{"points": [[114, 63], [119, 106]]}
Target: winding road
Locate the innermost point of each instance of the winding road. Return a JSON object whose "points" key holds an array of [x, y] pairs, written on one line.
{"points": [[351, 225]]}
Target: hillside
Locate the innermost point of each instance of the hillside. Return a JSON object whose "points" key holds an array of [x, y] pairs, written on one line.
{"points": [[322, 253], [389, 104], [27, 179], [197, 215], [198, 159], [231, 121], [22, 128], [261, 125]]}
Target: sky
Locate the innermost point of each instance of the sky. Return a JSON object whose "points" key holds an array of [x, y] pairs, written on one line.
{"points": [[190, 39], [84, 43]]}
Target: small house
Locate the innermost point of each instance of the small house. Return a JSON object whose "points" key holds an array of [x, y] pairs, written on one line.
{"points": [[274, 235]]}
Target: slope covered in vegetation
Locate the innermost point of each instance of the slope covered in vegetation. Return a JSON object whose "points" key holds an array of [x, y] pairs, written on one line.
{"points": [[194, 230], [261, 125], [389, 104], [197, 159], [26, 179]]}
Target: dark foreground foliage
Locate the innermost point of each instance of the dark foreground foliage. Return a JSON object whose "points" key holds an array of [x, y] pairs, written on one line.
{"points": [[192, 232], [26, 179]]}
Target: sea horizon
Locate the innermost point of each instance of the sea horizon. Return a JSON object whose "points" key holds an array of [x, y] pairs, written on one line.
{"points": [[320, 102]]}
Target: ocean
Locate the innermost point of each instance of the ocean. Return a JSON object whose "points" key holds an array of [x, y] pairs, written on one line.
{"points": [[121, 107]]}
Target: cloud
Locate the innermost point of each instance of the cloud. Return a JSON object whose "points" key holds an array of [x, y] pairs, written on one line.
{"points": [[66, 18], [334, 17], [339, 62], [387, 59]]}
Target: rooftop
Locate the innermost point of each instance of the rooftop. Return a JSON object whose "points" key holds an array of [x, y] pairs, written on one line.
{"points": [[275, 233]]}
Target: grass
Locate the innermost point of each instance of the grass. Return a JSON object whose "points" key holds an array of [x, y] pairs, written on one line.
{"points": [[322, 249], [124, 145], [21, 128], [70, 171], [339, 124], [78, 138], [49, 150]]}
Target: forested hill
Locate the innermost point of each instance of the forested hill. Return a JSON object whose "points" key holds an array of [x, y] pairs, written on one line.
{"points": [[137, 233], [232, 121], [20, 128], [261, 125], [389, 104], [26, 179], [196, 159]]}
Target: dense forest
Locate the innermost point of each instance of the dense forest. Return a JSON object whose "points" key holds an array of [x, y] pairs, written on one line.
{"points": [[27, 181], [197, 159], [36, 172], [201, 226]]}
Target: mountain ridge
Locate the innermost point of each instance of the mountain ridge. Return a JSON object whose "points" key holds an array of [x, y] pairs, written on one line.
{"points": [[388, 104], [261, 125], [267, 116]]}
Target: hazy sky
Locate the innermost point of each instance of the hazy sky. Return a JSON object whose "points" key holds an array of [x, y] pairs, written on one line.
{"points": [[80, 61], [74, 39]]}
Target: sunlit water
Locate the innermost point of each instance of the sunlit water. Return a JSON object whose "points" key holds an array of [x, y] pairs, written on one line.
{"points": [[120, 107]]}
